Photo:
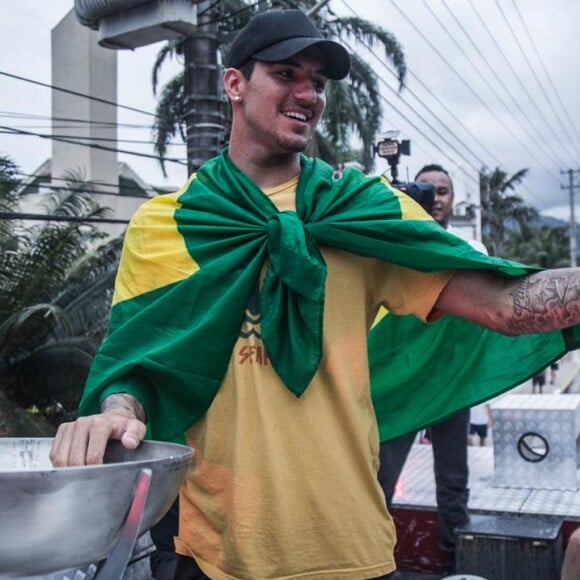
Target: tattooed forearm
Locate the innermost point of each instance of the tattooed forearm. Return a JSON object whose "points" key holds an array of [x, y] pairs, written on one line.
{"points": [[546, 301], [124, 401]]}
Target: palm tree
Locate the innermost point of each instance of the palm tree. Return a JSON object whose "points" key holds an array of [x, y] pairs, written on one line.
{"points": [[8, 186], [353, 110], [501, 210], [544, 246], [55, 289]]}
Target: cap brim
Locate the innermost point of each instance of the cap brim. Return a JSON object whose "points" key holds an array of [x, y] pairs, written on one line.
{"points": [[336, 58]]}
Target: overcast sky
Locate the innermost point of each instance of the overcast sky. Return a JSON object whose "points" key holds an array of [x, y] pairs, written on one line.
{"points": [[490, 82]]}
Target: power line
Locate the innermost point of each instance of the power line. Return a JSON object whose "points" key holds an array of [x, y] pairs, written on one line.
{"points": [[90, 139], [68, 120], [525, 55], [539, 139], [421, 117], [72, 179], [410, 91], [77, 94], [9, 215], [501, 52], [446, 126], [469, 87], [91, 145], [454, 117], [57, 188], [554, 90]]}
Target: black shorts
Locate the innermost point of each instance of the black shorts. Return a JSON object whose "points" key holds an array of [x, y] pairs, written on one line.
{"points": [[475, 429], [539, 380]]}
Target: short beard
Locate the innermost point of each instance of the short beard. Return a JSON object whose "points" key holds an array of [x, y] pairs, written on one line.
{"points": [[296, 145]]}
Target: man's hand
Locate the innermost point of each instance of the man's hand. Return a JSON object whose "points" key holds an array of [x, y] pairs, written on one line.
{"points": [[83, 442]]}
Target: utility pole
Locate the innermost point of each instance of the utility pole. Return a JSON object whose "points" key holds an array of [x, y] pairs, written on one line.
{"points": [[571, 187], [129, 24], [204, 117]]}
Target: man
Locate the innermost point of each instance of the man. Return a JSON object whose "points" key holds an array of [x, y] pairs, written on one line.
{"points": [[479, 423], [240, 320], [449, 437], [539, 380], [442, 208]]}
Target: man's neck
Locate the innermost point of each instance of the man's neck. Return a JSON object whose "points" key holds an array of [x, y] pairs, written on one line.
{"points": [[265, 170]]}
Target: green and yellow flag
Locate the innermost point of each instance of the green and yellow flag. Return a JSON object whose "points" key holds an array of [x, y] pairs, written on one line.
{"points": [[192, 259]]}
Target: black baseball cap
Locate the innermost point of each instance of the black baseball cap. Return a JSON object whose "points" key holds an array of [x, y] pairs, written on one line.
{"points": [[277, 35]]}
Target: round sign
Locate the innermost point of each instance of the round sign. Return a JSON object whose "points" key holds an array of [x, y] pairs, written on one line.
{"points": [[533, 447]]}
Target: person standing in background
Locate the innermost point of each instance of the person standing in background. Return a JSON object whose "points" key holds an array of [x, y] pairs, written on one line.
{"points": [[554, 372], [479, 423], [538, 382], [449, 437]]}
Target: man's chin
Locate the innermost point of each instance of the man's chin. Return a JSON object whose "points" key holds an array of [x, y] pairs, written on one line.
{"points": [[296, 145]]}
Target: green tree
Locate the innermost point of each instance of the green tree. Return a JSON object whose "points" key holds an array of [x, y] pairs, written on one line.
{"points": [[8, 198], [539, 245], [56, 280], [353, 110], [501, 210]]}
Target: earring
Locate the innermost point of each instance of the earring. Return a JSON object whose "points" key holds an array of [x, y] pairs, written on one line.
{"points": [[238, 99]]}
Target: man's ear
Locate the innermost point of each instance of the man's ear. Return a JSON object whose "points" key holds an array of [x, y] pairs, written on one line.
{"points": [[234, 84]]}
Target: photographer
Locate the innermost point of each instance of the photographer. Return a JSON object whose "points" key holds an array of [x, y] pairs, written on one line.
{"points": [[449, 437]]}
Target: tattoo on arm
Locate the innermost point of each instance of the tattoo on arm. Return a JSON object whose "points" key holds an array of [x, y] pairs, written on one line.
{"points": [[546, 301], [124, 401]]}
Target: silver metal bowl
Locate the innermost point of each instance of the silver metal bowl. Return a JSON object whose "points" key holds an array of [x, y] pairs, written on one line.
{"points": [[52, 519]]}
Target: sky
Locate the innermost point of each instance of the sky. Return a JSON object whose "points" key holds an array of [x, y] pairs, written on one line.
{"points": [[490, 84]]}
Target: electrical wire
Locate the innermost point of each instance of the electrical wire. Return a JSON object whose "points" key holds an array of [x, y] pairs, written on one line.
{"points": [[551, 83], [421, 117], [501, 53], [78, 94], [9, 215], [68, 120], [92, 145], [470, 88], [71, 179], [406, 119], [47, 186], [538, 138], [90, 139], [444, 125], [532, 69]]}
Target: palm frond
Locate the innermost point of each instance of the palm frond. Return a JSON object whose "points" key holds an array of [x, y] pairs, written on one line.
{"points": [[170, 116], [370, 35], [24, 330], [169, 50]]}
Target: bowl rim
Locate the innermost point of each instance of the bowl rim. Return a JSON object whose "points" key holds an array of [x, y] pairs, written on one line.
{"points": [[183, 453]]}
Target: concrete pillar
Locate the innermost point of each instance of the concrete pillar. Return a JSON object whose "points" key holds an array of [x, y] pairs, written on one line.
{"points": [[79, 64]]}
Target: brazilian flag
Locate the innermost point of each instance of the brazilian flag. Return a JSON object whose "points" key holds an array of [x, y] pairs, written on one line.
{"points": [[192, 259]]}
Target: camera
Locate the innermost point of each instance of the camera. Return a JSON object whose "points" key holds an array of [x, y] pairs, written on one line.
{"points": [[422, 193]]}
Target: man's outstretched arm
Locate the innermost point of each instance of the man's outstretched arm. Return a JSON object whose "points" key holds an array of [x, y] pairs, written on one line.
{"points": [[532, 304]]}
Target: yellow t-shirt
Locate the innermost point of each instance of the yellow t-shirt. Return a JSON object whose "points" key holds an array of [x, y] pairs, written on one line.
{"points": [[286, 487]]}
